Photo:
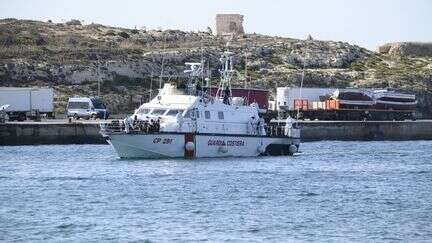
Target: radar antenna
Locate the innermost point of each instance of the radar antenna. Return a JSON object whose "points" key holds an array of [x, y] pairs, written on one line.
{"points": [[227, 71]]}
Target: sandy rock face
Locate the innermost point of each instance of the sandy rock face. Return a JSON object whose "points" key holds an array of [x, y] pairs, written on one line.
{"points": [[73, 58], [417, 49]]}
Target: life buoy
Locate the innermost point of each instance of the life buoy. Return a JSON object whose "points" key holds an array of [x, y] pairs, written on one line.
{"points": [[190, 146], [292, 149]]}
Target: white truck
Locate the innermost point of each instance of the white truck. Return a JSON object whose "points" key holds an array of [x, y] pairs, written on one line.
{"points": [[27, 102], [285, 96]]}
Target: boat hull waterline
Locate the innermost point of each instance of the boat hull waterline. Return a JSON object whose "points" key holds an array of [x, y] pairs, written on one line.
{"points": [[190, 145]]}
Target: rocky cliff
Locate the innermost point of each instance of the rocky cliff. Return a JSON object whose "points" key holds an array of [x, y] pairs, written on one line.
{"points": [[72, 58], [415, 49]]}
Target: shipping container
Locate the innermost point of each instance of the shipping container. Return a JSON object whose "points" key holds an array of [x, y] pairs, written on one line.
{"points": [[331, 104], [301, 104], [285, 96], [260, 96]]}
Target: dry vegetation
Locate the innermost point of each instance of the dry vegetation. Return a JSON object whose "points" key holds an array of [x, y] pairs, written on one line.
{"points": [[72, 57]]}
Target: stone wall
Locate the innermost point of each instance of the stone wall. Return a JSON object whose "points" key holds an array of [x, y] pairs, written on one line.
{"points": [[420, 49], [28, 133], [366, 131], [227, 24], [31, 133]]}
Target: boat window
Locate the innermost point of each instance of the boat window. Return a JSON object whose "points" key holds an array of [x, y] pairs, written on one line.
{"points": [[393, 99], [188, 114], [221, 115], [207, 114], [158, 111], [191, 114], [143, 111], [78, 105], [174, 112], [354, 96]]}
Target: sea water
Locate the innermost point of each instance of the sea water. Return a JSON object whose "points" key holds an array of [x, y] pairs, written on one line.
{"points": [[332, 191]]}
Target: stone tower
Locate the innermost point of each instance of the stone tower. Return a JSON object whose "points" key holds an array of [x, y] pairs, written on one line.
{"points": [[228, 24]]}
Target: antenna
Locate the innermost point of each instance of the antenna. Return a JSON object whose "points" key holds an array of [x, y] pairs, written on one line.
{"points": [[162, 64], [226, 74], [202, 63], [246, 60], [301, 87], [151, 85], [195, 70], [208, 78]]}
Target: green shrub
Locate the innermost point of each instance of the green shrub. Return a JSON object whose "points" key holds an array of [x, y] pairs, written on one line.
{"points": [[73, 22], [123, 34], [7, 40]]}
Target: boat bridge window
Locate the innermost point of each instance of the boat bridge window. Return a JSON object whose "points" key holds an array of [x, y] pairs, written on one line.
{"points": [[354, 96], [391, 99], [143, 111], [188, 114], [158, 111], [174, 112], [221, 115], [78, 105], [192, 114], [207, 114]]}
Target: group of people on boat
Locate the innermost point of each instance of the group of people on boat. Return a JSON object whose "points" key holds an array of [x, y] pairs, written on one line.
{"points": [[256, 126], [147, 125]]}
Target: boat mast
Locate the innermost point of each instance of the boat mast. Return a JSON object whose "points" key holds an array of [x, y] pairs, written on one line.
{"points": [[196, 72], [162, 64], [227, 71], [301, 87]]}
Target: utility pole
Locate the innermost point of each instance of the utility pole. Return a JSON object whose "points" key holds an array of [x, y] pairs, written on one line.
{"points": [[246, 60], [99, 81]]}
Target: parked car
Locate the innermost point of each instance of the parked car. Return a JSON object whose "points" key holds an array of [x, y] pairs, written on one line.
{"points": [[86, 108]]}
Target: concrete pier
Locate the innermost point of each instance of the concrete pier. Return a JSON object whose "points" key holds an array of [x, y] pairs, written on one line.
{"points": [[87, 132], [51, 132], [366, 130]]}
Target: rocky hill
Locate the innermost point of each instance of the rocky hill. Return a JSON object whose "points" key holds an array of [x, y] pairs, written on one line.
{"points": [[72, 58]]}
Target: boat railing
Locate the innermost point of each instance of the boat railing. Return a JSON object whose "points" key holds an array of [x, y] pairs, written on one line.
{"points": [[137, 126], [120, 126], [280, 130]]}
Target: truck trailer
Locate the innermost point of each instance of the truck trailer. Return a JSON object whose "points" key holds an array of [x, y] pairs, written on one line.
{"points": [[27, 102]]}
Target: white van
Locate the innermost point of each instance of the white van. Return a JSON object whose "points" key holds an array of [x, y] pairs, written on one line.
{"points": [[86, 108]]}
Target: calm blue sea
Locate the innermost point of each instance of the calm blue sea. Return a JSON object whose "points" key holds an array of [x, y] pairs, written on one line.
{"points": [[333, 191]]}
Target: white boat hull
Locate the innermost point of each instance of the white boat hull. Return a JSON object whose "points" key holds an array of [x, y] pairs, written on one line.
{"points": [[173, 145]]}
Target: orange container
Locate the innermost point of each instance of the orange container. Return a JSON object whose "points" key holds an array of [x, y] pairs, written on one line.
{"points": [[305, 104], [297, 104], [335, 104], [301, 104], [332, 104]]}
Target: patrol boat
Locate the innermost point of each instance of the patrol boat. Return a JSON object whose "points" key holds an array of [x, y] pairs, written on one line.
{"points": [[190, 123]]}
